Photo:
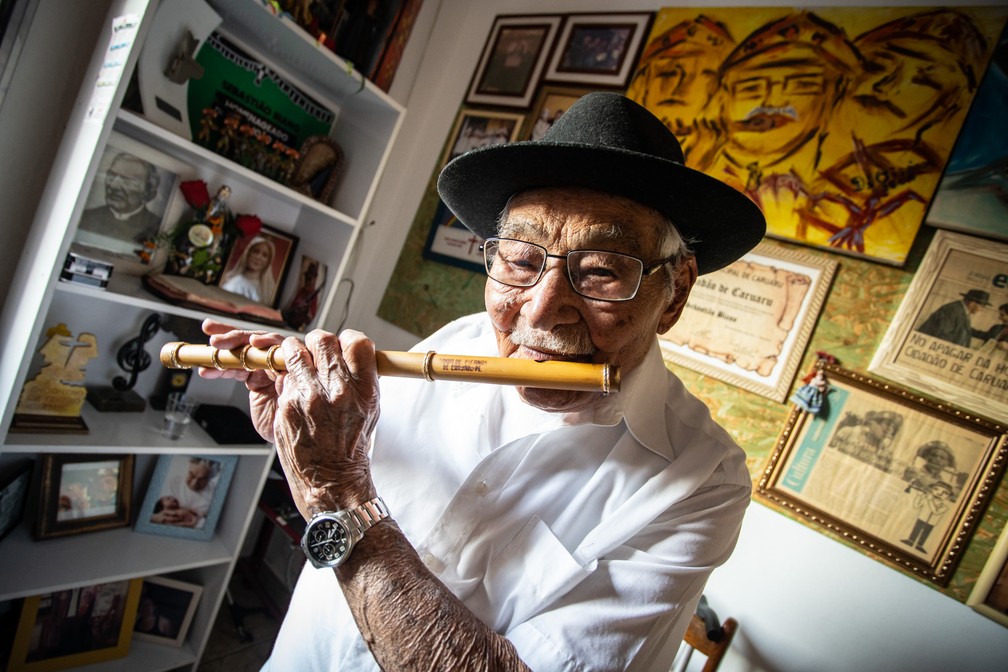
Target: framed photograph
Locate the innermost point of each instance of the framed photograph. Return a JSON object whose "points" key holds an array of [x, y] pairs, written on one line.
{"points": [[257, 265], [448, 241], [75, 627], [133, 199], [186, 495], [84, 493], [749, 323], [901, 477], [598, 49], [990, 594], [303, 304], [949, 337], [550, 105], [166, 610], [14, 481], [513, 60]]}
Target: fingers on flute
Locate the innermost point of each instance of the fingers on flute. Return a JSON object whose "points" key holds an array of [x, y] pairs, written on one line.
{"points": [[359, 354]]}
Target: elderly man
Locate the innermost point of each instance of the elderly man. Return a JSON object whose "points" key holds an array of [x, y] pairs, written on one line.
{"points": [[521, 528], [130, 184]]}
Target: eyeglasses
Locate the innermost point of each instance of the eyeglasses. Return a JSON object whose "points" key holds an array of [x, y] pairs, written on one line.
{"points": [[594, 274]]}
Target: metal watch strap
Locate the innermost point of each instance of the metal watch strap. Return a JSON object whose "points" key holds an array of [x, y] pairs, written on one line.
{"points": [[369, 513]]}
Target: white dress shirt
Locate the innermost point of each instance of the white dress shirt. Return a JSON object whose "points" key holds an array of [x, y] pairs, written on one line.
{"points": [[585, 538]]}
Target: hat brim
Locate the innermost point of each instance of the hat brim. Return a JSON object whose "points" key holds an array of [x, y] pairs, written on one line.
{"points": [[721, 223]]}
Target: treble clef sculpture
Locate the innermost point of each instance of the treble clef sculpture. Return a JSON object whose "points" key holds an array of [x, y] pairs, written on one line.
{"points": [[132, 358]]}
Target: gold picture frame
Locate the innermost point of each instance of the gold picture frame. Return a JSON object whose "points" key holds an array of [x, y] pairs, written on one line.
{"points": [[919, 349], [749, 323], [48, 639], [900, 477]]}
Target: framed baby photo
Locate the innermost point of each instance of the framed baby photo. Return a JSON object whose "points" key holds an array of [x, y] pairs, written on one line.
{"points": [[257, 265], [598, 49], [513, 60], [133, 199], [14, 481], [84, 493], [166, 610], [900, 477], [949, 337], [74, 627], [186, 495]]}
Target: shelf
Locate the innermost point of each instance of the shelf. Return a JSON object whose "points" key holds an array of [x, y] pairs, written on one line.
{"points": [[97, 557], [140, 129], [136, 433], [127, 290]]}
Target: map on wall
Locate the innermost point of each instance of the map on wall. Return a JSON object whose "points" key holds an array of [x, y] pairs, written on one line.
{"points": [[837, 122]]}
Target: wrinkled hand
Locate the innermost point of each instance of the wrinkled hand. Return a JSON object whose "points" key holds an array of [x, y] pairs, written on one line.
{"points": [[327, 410], [263, 386]]}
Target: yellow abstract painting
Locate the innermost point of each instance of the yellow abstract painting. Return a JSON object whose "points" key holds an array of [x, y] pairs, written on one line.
{"points": [[837, 122]]}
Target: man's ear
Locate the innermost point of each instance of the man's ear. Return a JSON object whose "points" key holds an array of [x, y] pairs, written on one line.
{"points": [[685, 276]]}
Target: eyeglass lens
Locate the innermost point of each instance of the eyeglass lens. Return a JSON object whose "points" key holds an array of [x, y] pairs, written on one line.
{"points": [[609, 276]]}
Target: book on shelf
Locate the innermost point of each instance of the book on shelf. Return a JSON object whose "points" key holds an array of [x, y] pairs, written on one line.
{"points": [[192, 293]]}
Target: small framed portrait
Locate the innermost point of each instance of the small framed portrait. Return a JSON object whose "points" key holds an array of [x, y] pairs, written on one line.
{"points": [[949, 337], [301, 308], [14, 481], [900, 477], [513, 60], [257, 265], [132, 200], [84, 493], [448, 240], [186, 495], [598, 49], [75, 627], [550, 105], [166, 610]]}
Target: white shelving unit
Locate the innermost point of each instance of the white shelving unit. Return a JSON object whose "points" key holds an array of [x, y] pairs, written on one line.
{"points": [[366, 127]]}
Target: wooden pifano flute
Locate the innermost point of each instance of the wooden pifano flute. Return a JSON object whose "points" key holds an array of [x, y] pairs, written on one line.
{"points": [[552, 375]]}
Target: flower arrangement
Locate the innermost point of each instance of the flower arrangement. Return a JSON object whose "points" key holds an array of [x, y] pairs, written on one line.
{"points": [[200, 245]]}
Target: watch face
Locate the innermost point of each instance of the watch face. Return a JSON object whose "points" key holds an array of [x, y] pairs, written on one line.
{"points": [[326, 542]]}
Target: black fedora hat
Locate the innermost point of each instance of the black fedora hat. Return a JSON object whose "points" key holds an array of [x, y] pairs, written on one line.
{"points": [[609, 143]]}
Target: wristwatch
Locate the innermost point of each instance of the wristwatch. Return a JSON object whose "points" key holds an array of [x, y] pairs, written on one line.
{"points": [[331, 535]]}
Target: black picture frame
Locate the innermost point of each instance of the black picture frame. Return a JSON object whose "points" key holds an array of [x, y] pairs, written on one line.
{"points": [[513, 60]]}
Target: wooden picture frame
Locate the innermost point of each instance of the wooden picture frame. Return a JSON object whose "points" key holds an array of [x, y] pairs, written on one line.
{"points": [[990, 593], [14, 482], [513, 60], [84, 493], [599, 49], [551, 103], [900, 477], [186, 495], [319, 168], [265, 288], [448, 240], [130, 245], [748, 324], [51, 631], [165, 610], [920, 352]]}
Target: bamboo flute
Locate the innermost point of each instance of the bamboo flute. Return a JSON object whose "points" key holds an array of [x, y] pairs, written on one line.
{"points": [[555, 375]]}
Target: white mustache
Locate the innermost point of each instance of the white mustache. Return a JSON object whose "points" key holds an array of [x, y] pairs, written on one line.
{"points": [[573, 342], [787, 111]]}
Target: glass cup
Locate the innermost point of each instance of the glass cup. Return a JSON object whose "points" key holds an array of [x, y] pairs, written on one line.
{"points": [[178, 414]]}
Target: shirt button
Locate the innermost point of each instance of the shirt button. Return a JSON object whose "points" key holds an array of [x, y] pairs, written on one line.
{"points": [[429, 559], [482, 488]]}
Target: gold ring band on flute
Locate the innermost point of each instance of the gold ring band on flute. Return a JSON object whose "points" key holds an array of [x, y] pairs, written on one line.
{"points": [[554, 375]]}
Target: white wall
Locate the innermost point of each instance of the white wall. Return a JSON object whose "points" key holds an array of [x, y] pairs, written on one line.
{"points": [[803, 601]]}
